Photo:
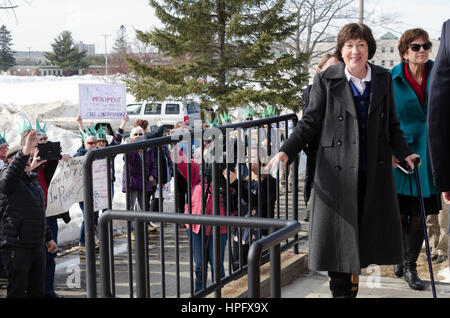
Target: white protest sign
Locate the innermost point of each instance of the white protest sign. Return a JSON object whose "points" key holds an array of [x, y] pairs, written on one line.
{"points": [[66, 187], [102, 101], [100, 184]]}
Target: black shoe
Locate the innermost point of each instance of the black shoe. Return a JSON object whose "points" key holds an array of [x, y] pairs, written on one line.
{"points": [[53, 295], [398, 270], [413, 279]]}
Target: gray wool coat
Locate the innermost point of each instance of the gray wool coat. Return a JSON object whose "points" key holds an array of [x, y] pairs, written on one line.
{"points": [[338, 241]]}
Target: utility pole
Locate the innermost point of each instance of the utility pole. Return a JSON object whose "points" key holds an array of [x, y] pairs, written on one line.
{"points": [[361, 11], [106, 55]]}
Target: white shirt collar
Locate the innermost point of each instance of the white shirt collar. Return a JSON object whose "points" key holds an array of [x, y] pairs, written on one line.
{"points": [[359, 84], [368, 77]]}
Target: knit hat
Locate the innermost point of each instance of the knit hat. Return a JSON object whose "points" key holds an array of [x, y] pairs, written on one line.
{"points": [[12, 151]]}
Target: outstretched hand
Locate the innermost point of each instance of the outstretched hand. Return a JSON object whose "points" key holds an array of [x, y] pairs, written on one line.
{"points": [[272, 166], [30, 143]]}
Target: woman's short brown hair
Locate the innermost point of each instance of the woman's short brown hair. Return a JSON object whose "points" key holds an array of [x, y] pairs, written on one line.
{"points": [[141, 123], [355, 31], [408, 37]]}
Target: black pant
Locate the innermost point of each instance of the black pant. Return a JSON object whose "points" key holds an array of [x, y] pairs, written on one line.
{"points": [[25, 268], [180, 195]]}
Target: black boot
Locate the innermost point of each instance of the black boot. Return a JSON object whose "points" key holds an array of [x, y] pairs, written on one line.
{"points": [[340, 285], [414, 241], [399, 269]]}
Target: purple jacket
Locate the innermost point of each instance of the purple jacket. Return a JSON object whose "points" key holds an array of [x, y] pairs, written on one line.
{"points": [[135, 171]]}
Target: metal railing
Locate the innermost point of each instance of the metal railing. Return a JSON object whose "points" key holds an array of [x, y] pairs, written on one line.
{"points": [[280, 230]]}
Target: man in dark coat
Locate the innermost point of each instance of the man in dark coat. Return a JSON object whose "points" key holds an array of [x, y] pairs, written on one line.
{"points": [[439, 116], [24, 231]]}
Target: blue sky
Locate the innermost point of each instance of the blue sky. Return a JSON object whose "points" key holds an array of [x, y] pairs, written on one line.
{"points": [[40, 21]]}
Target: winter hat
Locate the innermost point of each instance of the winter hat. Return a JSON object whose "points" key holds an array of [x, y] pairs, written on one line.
{"points": [[12, 151]]}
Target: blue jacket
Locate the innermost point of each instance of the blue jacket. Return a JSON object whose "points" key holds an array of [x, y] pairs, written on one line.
{"points": [[413, 122]]}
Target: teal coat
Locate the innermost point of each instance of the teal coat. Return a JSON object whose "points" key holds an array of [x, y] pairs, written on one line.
{"points": [[413, 122]]}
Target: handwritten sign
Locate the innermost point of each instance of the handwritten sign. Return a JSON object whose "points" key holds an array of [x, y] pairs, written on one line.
{"points": [[66, 187], [100, 184], [102, 101]]}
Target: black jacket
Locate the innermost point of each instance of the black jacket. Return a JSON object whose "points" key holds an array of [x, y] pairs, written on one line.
{"points": [[439, 113], [22, 207]]}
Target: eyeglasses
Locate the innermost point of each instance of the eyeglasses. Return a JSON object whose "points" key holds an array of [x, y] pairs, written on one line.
{"points": [[416, 46], [138, 134], [43, 139], [104, 141], [91, 143]]}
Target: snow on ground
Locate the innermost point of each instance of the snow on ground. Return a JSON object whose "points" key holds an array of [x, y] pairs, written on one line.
{"points": [[47, 98]]}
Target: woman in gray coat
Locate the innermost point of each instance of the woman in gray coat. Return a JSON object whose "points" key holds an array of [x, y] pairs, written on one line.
{"points": [[355, 220]]}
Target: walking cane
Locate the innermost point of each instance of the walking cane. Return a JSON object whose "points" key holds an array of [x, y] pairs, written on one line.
{"points": [[424, 224]]}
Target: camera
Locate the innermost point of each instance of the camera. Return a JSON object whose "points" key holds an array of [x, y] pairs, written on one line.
{"points": [[50, 151]]}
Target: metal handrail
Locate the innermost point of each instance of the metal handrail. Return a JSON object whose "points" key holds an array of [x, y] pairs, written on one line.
{"points": [[281, 230], [108, 152]]}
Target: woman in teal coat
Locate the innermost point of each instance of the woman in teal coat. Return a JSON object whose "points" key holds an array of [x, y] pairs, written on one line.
{"points": [[410, 85]]}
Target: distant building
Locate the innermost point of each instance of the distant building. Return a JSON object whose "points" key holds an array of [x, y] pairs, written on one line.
{"points": [[89, 48], [100, 70], [24, 70]]}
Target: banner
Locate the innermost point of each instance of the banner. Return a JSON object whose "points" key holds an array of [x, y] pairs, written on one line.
{"points": [[66, 187], [102, 101]]}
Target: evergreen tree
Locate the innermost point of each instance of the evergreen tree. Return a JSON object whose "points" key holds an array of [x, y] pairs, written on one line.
{"points": [[65, 55], [223, 52], [6, 54]]}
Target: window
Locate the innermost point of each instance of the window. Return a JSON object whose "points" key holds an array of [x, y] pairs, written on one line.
{"points": [[134, 109], [152, 109], [392, 49], [383, 63], [392, 63], [192, 108], [383, 49], [172, 109]]}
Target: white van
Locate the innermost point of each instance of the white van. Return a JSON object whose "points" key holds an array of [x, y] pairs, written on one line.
{"points": [[166, 113]]}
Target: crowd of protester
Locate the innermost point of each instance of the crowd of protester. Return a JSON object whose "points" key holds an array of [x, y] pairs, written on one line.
{"points": [[360, 123]]}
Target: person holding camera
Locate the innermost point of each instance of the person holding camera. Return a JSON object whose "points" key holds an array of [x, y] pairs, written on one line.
{"points": [[24, 231], [45, 169]]}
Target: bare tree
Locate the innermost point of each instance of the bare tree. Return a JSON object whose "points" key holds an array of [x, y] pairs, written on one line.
{"points": [[318, 21]]}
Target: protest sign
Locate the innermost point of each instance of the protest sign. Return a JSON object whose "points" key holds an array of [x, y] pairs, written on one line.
{"points": [[100, 184], [66, 187], [102, 101]]}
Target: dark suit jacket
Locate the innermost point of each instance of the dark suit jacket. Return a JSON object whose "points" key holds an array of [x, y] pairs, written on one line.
{"points": [[439, 113]]}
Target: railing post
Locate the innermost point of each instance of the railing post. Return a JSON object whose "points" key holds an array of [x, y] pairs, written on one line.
{"points": [[91, 282], [254, 274], [105, 265], [141, 260], [275, 271]]}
